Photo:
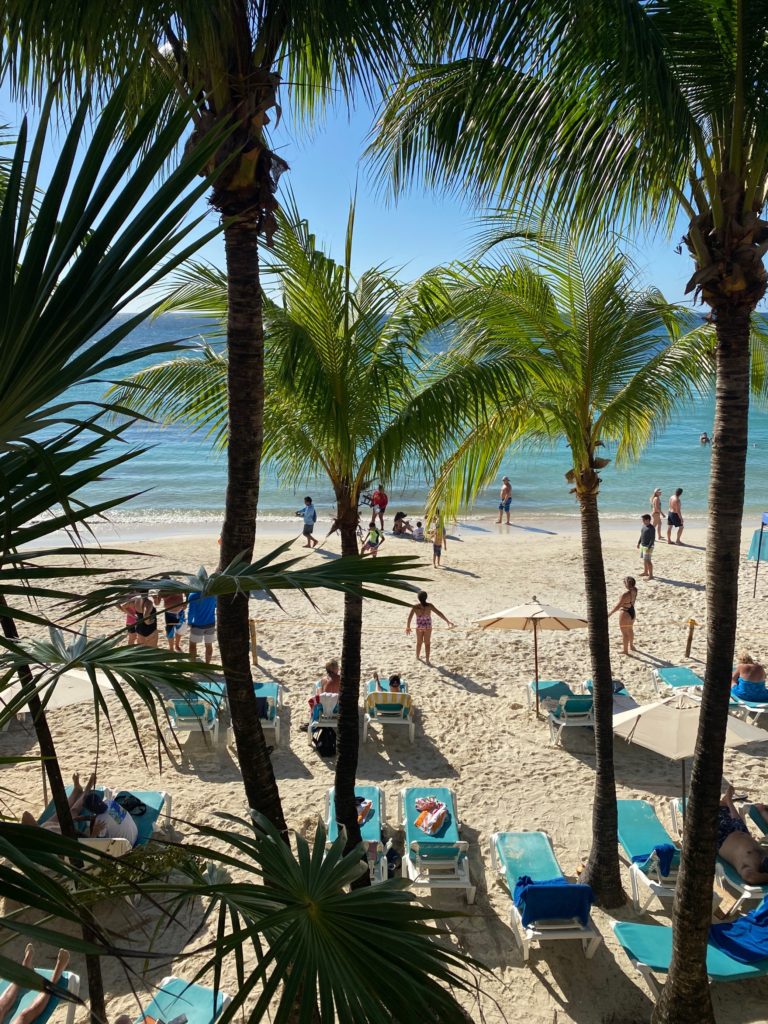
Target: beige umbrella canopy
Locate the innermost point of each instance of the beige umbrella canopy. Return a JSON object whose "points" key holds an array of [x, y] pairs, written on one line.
{"points": [[532, 618], [669, 727]]}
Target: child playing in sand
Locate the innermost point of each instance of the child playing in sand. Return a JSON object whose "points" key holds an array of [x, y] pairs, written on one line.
{"points": [[439, 540], [418, 531]]}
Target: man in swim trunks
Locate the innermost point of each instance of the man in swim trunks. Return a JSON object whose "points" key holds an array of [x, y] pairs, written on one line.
{"points": [[675, 517], [646, 542], [505, 498], [736, 846], [173, 607]]}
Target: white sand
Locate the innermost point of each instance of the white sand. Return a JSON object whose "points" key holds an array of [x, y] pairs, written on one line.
{"points": [[474, 733]]}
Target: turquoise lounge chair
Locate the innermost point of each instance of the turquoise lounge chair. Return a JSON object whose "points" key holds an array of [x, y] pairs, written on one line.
{"points": [[439, 861], [549, 689], [176, 996], [675, 677], [758, 818], [383, 684], [157, 802], [385, 708], [516, 854], [216, 691], [751, 710], [649, 948], [571, 712], [640, 832], [370, 830], [192, 714], [68, 982]]}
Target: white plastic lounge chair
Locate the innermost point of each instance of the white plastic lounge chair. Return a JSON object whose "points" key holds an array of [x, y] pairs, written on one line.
{"points": [[516, 854], [622, 698], [726, 875], [215, 690], [673, 678], [649, 948], [549, 689], [68, 982], [385, 708], [571, 712], [640, 832], [326, 714], [436, 861], [370, 830], [750, 710], [175, 997], [192, 714]]}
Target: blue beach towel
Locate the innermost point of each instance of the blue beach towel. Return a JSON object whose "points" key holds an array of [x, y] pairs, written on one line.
{"points": [[746, 938], [666, 853], [553, 899]]}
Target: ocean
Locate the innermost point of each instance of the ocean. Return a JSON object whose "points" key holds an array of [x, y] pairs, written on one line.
{"points": [[182, 479]]}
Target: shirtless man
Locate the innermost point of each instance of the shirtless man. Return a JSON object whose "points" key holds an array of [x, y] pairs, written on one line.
{"points": [[11, 995], [737, 846], [505, 498], [675, 517], [656, 513]]}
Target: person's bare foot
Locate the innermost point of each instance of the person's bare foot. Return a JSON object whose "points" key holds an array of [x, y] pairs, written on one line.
{"points": [[29, 955], [77, 789], [62, 963], [91, 782], [680, 543]]}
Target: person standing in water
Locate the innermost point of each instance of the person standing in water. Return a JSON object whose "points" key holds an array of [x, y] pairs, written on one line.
{"points": [[625, 606], [505, 499], [656, 513], [423, 612], [675, 516]]}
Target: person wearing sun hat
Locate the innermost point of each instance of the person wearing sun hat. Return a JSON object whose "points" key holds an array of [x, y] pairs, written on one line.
{"points": [[656, 513]]}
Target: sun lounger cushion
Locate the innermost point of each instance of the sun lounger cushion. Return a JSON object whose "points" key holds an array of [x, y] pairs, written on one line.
{"points": [[437, 845], [750, 702], [640, 831], [651, 944], [178, 996], [746, 938], [370, 829], [26, 997], [153, 800], [552, 689], [573, 706], [679, 675], [759, 819], [552, 900], [667, 855]]}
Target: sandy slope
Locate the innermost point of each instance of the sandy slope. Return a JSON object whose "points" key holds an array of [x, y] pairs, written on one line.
{"points": [[475, 733]]}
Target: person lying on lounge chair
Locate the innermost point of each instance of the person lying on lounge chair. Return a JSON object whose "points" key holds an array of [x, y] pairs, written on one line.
{"points": [[75, 799], [737, 846], [106, 818], [11, 994]]}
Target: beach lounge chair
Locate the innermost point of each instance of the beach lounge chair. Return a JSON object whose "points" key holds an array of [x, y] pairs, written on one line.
{"points": [[68, 982], [192, 714], [549, 689], [649, 948], [674, 677], [516, 855], [370, 830], [385, 708], [157, 802], [436, 861], [652, 855], [622, 698], [175, 997], [750, 710], [571, 712], [759, 819], [216, 691], [326, 714]]}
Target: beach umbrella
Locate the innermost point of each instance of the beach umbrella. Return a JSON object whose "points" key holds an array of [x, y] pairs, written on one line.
{"points": [[533, 618], [669, 727], [756, 547]]}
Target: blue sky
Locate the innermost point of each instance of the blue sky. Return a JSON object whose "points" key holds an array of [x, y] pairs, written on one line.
{"points": [[422, 230]]}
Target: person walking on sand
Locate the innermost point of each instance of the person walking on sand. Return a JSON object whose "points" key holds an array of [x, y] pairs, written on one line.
{"points": [[439, 540], [675, 516], [625, 606], [379, 502], [646, 542], [309, 515], [505, 499], [656, 513], [423, 612]]}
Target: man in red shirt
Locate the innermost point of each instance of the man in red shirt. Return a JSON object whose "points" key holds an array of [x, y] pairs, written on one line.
{"points": [[379, 500]]}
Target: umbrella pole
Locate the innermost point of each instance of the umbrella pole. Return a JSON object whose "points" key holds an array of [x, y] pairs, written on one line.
{"points": [[757, 566], [682, 766], [536, 664]]}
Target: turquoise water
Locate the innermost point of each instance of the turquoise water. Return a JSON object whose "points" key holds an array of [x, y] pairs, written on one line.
{"points": [[184, 479]]}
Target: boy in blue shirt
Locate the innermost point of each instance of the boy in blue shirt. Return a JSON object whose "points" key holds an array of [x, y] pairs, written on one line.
{"points": [[201, 615], [309, 516]]}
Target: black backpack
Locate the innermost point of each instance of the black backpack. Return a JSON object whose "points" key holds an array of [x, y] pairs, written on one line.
{"points": [[325, 742]]}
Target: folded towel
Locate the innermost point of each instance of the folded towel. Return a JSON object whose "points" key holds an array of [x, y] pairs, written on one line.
{"points": [[667, 855], [746, 938], [364, 808], [552, 900], [433, 815]]}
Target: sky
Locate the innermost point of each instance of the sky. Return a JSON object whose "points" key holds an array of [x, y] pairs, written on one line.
{"points": [[421, 230]]}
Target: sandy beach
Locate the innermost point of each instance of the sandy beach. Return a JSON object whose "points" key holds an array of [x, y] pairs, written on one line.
{"points": [[475, 733]]}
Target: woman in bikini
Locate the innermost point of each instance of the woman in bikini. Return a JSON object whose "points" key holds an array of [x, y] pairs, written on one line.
{"points": [[625, 606], [423, 612], [146, 622]]}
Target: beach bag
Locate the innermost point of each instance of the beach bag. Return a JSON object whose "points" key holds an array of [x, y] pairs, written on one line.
{"points": [[394, 862], [325, 742], [131, 804]]}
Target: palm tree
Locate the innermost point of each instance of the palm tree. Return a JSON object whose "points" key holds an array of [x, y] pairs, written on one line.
{"points": [[640, 112], [225, 61], [602, 367], [345, 401]]}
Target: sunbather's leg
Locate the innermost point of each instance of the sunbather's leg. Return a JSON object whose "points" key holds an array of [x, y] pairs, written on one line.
{"points": [[40, 1001], [726, 800], [12, 993]]}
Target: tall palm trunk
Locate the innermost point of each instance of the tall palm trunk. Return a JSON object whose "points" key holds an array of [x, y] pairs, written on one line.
{"points": [[63, 813], [686, 999], [602, 871], [245, 382], [348, 735]]}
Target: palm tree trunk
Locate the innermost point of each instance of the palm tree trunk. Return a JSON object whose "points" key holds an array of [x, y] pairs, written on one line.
{"points": [[348, 735], [63, 813], [245, 344], [686, 998], [602, 871]]}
